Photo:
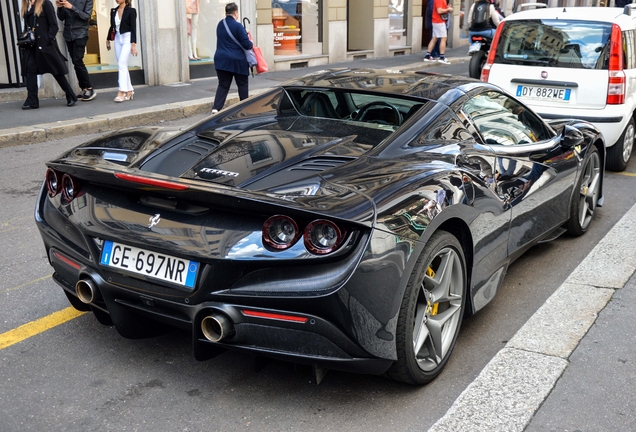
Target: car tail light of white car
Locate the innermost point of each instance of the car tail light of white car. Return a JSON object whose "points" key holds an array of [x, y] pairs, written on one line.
{"points": [[485, 71], [616, 80]]}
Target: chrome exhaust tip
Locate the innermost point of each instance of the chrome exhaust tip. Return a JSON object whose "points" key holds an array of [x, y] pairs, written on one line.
{"points": [[216, 327], [86, 291]]}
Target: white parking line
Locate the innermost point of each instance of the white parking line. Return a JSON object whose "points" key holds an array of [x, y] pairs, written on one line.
{"points": [[514, 384]]}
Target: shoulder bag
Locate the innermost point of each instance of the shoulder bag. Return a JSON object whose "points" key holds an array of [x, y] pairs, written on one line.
{"points": [[27, 39], [249, 54]]}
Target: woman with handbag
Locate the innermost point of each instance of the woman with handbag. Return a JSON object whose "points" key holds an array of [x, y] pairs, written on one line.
{"points": [[229, 59], [43, 55], [123, 33]]}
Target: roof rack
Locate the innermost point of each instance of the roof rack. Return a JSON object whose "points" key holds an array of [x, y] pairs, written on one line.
{"points": [[531, 5], [627, 10]]}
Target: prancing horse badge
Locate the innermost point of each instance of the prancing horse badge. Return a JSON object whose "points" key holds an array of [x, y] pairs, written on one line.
{"points": [[154, 220]]}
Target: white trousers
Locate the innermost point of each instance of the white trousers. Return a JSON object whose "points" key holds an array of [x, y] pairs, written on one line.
{"points": [[122, 52], [192, 39]]}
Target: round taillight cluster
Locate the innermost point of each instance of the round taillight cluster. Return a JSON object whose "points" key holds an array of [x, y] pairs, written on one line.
{"points": [[67, 185], [280, 232], [320, 236], [52, 182]]}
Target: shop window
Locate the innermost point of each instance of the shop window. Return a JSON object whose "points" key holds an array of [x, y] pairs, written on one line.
{"points": [[397, 23], [297, 27], [202, 18], [97, 58]]}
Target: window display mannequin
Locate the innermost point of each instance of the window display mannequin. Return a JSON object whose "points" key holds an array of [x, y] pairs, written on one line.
{"points": [[192, 11]]}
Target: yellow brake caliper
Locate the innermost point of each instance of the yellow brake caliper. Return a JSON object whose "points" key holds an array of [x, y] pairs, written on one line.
{"points": [[431, 273]]}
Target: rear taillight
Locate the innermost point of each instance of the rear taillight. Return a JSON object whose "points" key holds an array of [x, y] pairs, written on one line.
{"points": [[280, 232], [616, 75], [52, 182], [65, 184], [485, 71], [322, 237], [70, 187]]}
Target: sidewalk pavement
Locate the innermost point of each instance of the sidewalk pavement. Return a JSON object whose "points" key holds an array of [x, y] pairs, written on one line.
{"points": [[152, 104], [572, 366]]}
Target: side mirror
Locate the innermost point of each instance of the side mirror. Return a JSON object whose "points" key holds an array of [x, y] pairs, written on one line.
{"points": [[571, 137]]}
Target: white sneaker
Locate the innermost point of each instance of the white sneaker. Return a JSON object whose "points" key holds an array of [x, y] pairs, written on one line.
{"points": [[214, 111], [443, 59]]}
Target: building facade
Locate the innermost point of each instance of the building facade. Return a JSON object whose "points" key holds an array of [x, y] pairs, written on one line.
{"points": [[177, 38]]}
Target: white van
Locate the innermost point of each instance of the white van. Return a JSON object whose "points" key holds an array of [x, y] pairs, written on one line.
{"points": [[573, 62]]}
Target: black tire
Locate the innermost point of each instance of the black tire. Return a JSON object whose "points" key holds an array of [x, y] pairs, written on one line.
{"points": [[440, 309], [618, 155], [477, 61], [586, 195]]}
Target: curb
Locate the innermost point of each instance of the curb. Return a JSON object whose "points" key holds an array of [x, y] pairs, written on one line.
{"points": [[105, 122], [22, 135], [512, 387]]}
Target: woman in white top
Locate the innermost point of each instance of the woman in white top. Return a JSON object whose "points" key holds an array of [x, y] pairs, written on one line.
{"points": [[123, 32]]}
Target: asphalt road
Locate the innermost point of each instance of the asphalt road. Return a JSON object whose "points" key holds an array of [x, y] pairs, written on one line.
{"points": [[83, 376]]}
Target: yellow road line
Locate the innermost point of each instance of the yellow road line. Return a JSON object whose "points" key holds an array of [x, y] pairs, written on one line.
{"points": [[38, 326], [25, 284], [626, 174]]}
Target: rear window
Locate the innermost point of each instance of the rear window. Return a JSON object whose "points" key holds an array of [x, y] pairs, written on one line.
{"points": [[555, 43]]}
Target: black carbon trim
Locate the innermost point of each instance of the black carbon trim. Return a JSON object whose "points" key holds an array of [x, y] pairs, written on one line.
{"points": [[616, 119], [545, 82]]}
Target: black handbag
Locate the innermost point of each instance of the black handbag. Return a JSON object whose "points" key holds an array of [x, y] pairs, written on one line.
{"points": [[27, 39]]}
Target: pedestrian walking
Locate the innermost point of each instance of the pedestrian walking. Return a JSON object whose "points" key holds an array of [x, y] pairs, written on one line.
{"points": [[123, 34], [441, 14], [428, 23], [44, 56], [75, 15], [229, 59]]}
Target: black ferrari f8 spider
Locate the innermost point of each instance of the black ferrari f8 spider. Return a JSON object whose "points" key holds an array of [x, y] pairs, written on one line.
{"points": [[346, 220]]}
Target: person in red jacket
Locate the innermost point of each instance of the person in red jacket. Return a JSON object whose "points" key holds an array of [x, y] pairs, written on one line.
{"points": [[441, 13]]}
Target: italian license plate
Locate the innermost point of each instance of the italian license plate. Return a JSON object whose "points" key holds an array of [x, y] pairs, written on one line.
{"points": [[544, 93], [474, 47], [151, 264]]}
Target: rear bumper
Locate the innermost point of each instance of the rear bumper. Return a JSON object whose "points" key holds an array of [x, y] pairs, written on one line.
{"points": [[313, 342], [136, 313]]}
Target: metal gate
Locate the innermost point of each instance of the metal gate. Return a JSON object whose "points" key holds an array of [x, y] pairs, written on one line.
{"points": [[10, 56]]}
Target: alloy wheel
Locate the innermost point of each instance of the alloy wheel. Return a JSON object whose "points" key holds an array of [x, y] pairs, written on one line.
{"points": [[628, 142], [590, 186], [438, 310]]}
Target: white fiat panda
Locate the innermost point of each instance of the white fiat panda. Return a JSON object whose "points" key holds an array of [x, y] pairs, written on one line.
{"points": [[574, 62]]}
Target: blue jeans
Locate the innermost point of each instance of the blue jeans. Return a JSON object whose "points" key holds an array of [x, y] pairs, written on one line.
{"points": [[489, 33]]}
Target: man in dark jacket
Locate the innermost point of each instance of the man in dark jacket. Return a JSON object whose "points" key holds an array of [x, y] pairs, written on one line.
{"points": [[75, 15], [229, 58]]}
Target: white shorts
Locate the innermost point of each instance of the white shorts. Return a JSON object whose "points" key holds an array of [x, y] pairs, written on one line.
{"points": [[439, 30]]}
